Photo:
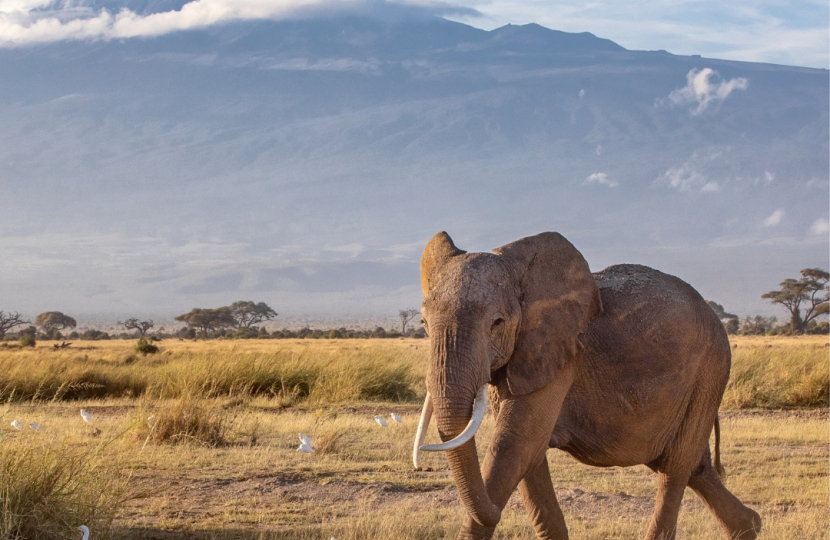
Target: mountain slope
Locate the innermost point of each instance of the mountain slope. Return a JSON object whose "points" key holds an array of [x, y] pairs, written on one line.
{"points": [[269, 158]]}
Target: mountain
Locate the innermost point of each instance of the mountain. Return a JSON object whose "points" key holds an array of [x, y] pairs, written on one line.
{"points": [[305, 162]]}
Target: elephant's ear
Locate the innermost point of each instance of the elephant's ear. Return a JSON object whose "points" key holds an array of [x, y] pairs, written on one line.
{"points": [[559, 298], [438, 251]]}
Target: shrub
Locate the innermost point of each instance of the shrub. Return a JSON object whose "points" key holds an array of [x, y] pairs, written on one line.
{"points": [[94, 335], [244, 332], [145, 347], [330, 442], [184, 421], [821, 328], [26, 340]]}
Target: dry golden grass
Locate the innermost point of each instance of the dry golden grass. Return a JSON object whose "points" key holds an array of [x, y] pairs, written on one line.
{"points": [[779, 372], [360, 483], [767, 372]]}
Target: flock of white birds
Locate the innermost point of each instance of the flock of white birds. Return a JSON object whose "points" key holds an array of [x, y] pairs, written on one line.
{"points": [[306, 443]]}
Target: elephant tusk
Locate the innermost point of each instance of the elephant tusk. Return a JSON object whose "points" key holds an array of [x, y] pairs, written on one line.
{"points": [[479, 406], [423, 424]]}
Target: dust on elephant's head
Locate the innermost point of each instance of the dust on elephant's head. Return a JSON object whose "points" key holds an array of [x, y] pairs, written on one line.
{"points": [[524, 305]]}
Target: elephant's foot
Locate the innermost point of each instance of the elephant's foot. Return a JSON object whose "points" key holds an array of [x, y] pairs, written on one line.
{"points": [[738, 521], [742, 523], [748, 529], [474, 531]]}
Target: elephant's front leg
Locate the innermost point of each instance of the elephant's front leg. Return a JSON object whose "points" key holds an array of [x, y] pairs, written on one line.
{"points": [[523, 428]]}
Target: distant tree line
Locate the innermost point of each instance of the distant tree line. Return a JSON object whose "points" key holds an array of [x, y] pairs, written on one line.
{"points": [[806, 299]]}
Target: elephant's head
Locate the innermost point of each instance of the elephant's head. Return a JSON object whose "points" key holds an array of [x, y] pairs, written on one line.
{"points": [[521, 310]]}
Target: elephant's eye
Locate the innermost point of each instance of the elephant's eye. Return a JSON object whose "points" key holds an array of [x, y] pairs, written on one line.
{"points": [[497, 323], [424, 324]]}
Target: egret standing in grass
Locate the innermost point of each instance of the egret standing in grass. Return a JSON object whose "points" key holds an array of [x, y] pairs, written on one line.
{"points": [[396, 418], [305, 449], [305, 439], [381, 422], [17, 425], [86, 416], [84, 529], [35, 426]]}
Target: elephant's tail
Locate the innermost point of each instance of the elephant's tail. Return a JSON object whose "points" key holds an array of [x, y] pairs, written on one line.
{"points": [[718, 465]]}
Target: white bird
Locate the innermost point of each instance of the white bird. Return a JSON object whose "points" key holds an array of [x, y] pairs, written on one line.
{"points": [[84, 529], [305, 449], [17, 425], [396, 418], [381, 421], [86, 416], [35, 426], [305, 439]]}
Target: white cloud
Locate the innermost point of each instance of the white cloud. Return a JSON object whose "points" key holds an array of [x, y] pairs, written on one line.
{"points": [[820, 226], [774, 218], [704, 87], [32, 21], [687, 177], [601, 178]]}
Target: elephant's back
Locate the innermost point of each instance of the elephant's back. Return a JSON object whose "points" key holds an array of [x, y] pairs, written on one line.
{"points": [[661, 307], [656, 343]]}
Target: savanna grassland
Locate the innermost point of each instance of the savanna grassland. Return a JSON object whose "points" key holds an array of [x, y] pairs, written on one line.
{"points": [[199, 442]]}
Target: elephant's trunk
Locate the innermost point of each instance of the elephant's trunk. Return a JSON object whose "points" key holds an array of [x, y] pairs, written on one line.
{"points": [[453, 416]]}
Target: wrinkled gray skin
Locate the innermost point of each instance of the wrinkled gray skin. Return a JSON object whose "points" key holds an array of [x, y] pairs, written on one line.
{"points": [[623, 367]]}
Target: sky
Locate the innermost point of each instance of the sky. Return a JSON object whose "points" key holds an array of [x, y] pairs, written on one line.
{"points": [[791, 32], [126, 198]]}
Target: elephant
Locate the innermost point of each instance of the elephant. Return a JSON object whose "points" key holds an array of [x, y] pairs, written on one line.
{"points": [[622, 367]]}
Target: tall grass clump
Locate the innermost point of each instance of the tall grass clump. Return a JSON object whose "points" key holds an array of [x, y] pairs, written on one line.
{"points": [[186, 420], [48, 489], [775, 377]]}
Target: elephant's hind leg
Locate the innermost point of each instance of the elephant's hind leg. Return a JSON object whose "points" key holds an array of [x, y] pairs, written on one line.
{"points": [[541, 504], [737, 521]]}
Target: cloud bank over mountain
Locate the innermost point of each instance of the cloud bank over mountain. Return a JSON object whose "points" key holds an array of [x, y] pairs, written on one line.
{"points": [[305, 162], [45, 21]]}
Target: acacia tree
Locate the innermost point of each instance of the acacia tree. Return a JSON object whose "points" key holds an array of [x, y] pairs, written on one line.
{"points": [[247, 313], [406, 315], [811, 290], [10, 320], [53, 321], [135, 324], [208, 321]]}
